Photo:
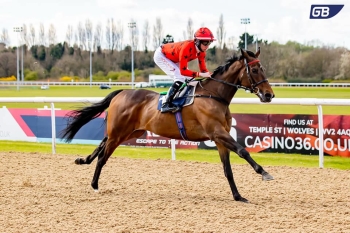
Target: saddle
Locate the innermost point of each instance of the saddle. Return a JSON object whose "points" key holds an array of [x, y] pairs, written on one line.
{"points": [[182, 99]]}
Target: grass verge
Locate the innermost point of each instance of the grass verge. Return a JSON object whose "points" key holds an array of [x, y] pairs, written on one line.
{"points": [[209, 156]]}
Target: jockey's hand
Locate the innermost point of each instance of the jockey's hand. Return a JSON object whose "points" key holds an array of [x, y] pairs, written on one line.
{"points": [[205, 75]]}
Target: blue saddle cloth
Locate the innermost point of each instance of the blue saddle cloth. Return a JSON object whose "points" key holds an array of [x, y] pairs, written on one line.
{"points": [[184, 98]]}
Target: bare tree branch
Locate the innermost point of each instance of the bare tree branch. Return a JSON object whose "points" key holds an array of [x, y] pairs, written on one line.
{"points": [[98, 36], [190, 30], [81, 37], [221, 32], [32, 36], [52, 35], [69, 35], [109, 35], [89, 34], [117, 35], [4, 37], [146, 35], [157, 33], [42, 35]]}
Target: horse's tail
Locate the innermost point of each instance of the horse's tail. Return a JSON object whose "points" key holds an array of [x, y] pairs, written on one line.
{"points": [[78, 118]]}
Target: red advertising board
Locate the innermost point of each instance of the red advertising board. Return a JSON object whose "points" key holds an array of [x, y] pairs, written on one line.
{"points": [[285, 133]]}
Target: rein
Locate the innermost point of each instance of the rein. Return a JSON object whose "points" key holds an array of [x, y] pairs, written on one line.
{"points": [[219, 99], [252, 89]]}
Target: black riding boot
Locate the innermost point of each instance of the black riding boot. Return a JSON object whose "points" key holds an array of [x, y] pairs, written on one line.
{"points": [[167, 105]]}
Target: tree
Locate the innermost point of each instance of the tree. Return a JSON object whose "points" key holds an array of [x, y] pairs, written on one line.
{"points": [[7, 64], [230, 43], [41, 53], [250, 40], [117, 35], [81, 36], [157, 33], [98, 37], [220, 32], [69, 35], [42, 39], [34, 51], [52, 35], [190, 30], [109, 35], [57, 51], [89, 34], [345, 65], [31, 36], [146, 36], [114, 35], [4, 37]]}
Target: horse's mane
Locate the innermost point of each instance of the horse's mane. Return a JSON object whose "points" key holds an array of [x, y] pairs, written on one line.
{"points": [[221, 69]]}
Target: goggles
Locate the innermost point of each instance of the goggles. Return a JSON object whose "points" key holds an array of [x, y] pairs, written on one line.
{"points": [[206, 42]]}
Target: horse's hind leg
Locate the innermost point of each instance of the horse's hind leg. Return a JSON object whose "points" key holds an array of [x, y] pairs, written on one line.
{"points": [[103, 156], [111, 144], [94, 154], [225, 159]]}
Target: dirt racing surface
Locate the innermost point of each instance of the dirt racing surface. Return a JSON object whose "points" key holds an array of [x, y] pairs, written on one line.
{"points": [[49, 193]]}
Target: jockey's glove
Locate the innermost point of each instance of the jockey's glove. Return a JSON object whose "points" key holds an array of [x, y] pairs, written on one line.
{"points": [[205, 75]]}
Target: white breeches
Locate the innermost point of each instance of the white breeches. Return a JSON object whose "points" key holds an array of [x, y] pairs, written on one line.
{"points": [[170, 68]]}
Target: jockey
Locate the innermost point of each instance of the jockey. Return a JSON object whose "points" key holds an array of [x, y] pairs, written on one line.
{"points": [[173, 59]]}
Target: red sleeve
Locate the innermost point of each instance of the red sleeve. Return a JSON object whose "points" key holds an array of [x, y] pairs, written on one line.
{"points": [[201, 62], [184, 57]]}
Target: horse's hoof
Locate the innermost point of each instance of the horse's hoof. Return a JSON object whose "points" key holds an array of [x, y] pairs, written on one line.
{"points": [[78, 161], [95, 187], [266, 176], [96, 190], [241, 199]]}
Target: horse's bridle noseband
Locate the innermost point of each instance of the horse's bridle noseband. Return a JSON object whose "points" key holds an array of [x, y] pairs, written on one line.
{"points": [[253, 85]]}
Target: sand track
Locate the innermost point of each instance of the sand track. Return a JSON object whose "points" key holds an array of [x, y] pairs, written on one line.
{"points": [[49, 193]]}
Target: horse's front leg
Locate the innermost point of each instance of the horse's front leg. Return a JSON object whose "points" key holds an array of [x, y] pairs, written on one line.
{"points": [[225, 159], [227, 141]]}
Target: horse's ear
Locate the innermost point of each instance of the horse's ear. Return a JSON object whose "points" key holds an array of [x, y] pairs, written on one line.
{"points": [[257, 53], [244, 53]]}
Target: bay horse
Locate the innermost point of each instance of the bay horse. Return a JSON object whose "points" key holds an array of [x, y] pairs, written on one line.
{"points": [[133, 112]]}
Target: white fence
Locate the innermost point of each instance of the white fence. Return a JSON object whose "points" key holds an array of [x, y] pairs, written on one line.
{"points": [[276, 101], [41, 83]]}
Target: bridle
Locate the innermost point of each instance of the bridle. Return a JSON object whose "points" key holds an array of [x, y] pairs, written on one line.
{"points": [[253, 85]]}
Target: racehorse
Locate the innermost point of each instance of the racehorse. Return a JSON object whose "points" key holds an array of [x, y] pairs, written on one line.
{"points": [[133, 112]]}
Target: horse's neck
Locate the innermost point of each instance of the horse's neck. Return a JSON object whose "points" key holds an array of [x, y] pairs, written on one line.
{"points": [[219, 89]]}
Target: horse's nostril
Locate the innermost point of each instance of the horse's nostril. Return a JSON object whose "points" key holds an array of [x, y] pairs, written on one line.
{"points": [[268, 96]]}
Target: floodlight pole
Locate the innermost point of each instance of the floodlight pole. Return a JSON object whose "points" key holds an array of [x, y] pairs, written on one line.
{"points": [[90, 64], [245, 21], [22, 73], [18, 29], [132, 25]]}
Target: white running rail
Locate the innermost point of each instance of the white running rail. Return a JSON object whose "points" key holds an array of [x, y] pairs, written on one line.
{"points": [[277, 101]]}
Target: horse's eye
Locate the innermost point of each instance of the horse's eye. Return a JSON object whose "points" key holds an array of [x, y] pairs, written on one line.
{"points": [[255, 70]]}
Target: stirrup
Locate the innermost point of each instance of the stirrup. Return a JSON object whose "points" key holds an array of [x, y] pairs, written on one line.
{"points": [[167, 108]]}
